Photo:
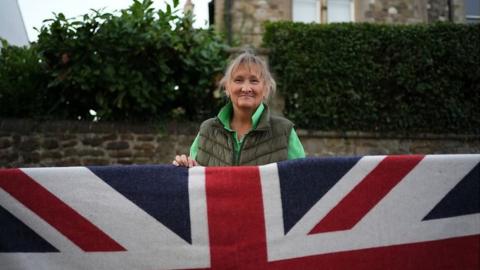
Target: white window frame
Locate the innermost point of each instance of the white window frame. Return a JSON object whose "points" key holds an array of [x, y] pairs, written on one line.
{"points": [[319, 12]]}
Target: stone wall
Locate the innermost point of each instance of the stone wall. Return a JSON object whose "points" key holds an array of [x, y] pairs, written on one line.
{"points": [[318, 143], [26, 143], [393, 11], [408, 11], [248, 16]]}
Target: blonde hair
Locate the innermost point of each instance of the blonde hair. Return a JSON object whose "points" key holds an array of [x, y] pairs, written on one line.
{"points": [[249, 59]]}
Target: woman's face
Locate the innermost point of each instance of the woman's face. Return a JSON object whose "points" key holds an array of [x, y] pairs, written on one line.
{"points": [[246, 89]]}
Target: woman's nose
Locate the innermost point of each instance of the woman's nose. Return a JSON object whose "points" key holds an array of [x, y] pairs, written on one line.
{"points": [[246, 88]]}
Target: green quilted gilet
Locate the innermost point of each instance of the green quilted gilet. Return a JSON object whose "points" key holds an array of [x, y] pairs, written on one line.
{"points": [[267, 143]]}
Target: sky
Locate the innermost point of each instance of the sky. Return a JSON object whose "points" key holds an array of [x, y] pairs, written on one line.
{"points": [[35, 11]]}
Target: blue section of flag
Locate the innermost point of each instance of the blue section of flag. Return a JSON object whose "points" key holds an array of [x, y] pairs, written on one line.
{"points": [[15, 236], [160, 190], [304, 181], [463, 199]]}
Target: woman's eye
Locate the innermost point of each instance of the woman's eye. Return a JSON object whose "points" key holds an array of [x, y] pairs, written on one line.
{"points": [[255, 81]]}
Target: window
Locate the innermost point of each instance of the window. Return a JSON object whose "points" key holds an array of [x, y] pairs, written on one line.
{"points": [[472, 11], [313, 11], [306, 11], [340, 11]]}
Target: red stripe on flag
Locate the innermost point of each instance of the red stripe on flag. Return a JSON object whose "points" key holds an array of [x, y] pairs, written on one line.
{"points": [[367, 193], [456, 253], [238, 239], [235, 217], [58, 214]]}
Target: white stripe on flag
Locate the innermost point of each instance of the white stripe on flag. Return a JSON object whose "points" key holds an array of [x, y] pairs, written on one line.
{"points": [[397, 219], [149, 243]]}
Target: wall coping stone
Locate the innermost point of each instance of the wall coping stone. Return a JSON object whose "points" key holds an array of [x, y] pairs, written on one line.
{"points": [[386, 135], [191, 128]]}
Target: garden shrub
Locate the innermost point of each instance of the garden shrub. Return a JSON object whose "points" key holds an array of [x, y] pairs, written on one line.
{"points": [[377, 77], [139, 65]]}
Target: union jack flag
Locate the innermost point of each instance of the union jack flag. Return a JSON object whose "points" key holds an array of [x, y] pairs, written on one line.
{"points": [[372, 212]]}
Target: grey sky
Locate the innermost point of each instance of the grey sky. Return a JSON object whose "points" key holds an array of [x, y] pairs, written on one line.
{"points": [[35, 11]]}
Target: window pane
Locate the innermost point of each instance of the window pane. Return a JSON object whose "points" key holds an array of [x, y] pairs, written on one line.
{"points": [[305, 11], [472, 11], [339, 11]]}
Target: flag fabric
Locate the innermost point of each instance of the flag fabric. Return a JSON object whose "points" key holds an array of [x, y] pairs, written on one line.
{"points": [[371, 212]]}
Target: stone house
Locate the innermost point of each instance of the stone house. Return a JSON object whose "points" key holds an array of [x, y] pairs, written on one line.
{"points": [[242, 20]]}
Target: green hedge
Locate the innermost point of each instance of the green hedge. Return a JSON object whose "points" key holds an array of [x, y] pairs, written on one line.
{"points": [[375, 77], [22, 82], [139, 64]]}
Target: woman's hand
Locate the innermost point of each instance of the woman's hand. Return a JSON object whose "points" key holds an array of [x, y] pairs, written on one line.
{"points": [[183, 160]]}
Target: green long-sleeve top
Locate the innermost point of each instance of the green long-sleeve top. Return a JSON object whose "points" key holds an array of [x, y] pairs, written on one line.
{"points": [[295, 147]]}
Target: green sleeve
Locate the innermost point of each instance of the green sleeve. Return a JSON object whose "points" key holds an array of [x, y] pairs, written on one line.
{"points": [[194, 148], [295, 147]]}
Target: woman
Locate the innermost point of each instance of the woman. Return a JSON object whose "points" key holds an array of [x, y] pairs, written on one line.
{"points": [[244, 132]]}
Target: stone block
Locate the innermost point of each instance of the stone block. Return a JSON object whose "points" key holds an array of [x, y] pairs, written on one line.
{"points": [[327, 146], [66, 136], [121, 145], [51, 155], [95, 161], [404, 146], [123, 161], [69, 143], [149, 153], [71, 152], [141, 161], [5, 143], [368, 151], [92, 141], [91, 152], [127, 137], [7, 157], [421, 147], [164, 150], [31, 157], [50, 144], [144, 146], [109, 137], [120, 153], [29, 144], [69, 161], [146, 138], [16, 139]]}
